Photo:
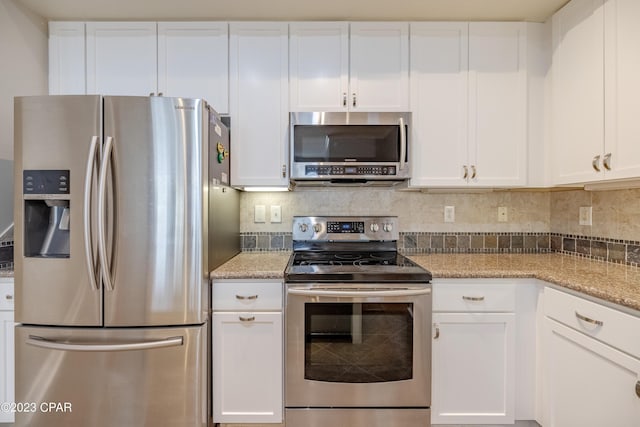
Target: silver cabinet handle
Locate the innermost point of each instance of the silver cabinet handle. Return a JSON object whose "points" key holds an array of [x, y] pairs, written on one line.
{"points": [[250, 297], [437, 335], [88, 182], [354, 99], [595, 163], [8, 297], [284, 171], [247, 319], [466, 172], [41, 342], [589, 320], [466, 298], [638, 389], [473, 171], [607, 161], [403, 143], [102, 227], [344, 99]]}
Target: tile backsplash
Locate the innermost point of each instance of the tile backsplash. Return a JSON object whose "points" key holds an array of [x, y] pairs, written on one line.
{"points": [[538, 221]]}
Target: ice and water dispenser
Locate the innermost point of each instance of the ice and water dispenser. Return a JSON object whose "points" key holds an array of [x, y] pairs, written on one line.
{"points": [[46, 213]]}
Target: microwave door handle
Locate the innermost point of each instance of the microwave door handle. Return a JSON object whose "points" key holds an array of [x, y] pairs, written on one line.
{"points": [[359, 293], [403, 143]]}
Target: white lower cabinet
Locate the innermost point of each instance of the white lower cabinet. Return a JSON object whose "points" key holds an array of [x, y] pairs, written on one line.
{"points": [[591, 375], [7, 348], [473, 353], [247, 352]]}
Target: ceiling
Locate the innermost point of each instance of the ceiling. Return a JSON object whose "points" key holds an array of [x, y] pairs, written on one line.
{"points": [[289, 10]]}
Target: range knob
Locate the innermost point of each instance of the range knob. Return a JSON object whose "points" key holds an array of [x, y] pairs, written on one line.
{"points": [[317, 228], [387, 227], [375, 227], [303, 227]]}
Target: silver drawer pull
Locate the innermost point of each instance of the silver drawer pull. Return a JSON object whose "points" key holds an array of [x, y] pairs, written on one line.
{"points": [[437, 335], [638, 389], [589, 320], [466, 298], [9, 297], [242, 297], [247, 319]]}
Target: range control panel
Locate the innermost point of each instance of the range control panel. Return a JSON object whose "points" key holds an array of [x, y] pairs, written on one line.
{"points": [[45, 181], [335, 229]]}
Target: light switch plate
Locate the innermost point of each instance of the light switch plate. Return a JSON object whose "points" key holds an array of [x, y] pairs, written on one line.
{"points": [[585, 215], [449, 214], [259, 213], [276, 214]]}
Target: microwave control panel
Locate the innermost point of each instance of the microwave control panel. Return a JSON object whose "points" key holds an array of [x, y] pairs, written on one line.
{"points": [[314, 170]]}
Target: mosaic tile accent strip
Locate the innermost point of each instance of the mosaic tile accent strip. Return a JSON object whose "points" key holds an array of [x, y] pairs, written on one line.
{"points": [[598, 248], [470, 242], [6, 254], [265, 241]]}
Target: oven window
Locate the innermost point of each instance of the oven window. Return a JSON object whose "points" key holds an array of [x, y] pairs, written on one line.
{"points": [[358, 342], [350, 143]]}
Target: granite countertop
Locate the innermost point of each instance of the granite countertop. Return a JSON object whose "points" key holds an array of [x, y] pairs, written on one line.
{"points": [[614, 283]]}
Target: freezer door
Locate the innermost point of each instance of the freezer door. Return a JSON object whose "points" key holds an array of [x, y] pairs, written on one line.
{"points": [[118, 377], [57, 133], [156, 176]]}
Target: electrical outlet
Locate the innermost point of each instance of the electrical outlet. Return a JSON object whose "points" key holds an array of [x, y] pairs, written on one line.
{"points": [[276, 213], [585, 215], [449, 214], [259, 213], [502, 214]]}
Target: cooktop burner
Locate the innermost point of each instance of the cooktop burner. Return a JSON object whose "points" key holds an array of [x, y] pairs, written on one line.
{"points": [[350, 258]]}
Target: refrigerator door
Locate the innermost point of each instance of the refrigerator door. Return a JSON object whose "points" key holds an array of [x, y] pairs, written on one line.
{"points": [[224, 224], [156, 172], [117, 377], [55, 255]]}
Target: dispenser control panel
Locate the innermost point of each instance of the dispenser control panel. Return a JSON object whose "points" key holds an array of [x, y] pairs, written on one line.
{"points": [[45, 181]]}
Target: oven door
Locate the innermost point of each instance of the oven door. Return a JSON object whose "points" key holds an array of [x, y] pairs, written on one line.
{"points": [[358, 345]]}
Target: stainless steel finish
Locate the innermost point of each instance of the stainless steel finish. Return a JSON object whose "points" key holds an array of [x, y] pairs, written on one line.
{"points": [[466, 298], [41, 342], [357, 417], [102, 227], [88, 184], [466, 172], [595, 163], [305, 393], [164, 386], [607, 161], [54, 133], [354, 100], [315, 228], [589, 320], [344, 99], [473, 172], [437, 327], [403, 143], [249, 297], [284, 171], [638, 389], [247, 319], [355, 290], [223, 225]]}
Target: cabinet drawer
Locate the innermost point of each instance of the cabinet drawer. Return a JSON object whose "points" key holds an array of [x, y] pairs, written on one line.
{"points": [[608, 325], [6, 295], [232, 295], [474, 297]]}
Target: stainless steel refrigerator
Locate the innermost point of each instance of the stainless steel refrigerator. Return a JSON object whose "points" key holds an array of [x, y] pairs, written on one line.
{"points": [[116, 203]]}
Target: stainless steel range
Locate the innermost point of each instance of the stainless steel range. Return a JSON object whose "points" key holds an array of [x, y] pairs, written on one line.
{"points": [[358, 316]]}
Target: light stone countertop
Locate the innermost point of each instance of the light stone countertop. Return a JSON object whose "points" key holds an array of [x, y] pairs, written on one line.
{"points": [[613, 283]]}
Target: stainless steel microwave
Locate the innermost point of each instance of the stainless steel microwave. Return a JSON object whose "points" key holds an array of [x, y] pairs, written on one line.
{"points": [[349, 148]]}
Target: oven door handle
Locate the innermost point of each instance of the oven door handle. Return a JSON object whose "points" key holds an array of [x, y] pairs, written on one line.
{"points": [[383, 292]]}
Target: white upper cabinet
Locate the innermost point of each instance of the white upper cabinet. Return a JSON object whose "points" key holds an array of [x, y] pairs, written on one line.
{"points": [[469, 104], [362, 66], [259, 94], [67, 58], [121, 58], [193, 61]]}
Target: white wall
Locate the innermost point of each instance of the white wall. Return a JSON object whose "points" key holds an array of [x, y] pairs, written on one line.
{"points": [[24, 59]]}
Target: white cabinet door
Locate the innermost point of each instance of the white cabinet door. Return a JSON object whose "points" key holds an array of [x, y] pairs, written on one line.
{"points": [[379, 66], [67, 58], [247, 367], [121, 58], [319, 66], [193, 61], [497, 104], [6, 364], [577, 92], [439, 64], [473, 368], [589, 384], [259, 103], [622, 88]]}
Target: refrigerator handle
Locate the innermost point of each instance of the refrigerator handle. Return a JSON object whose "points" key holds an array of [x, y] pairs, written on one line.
{"points": [[41, 342], [88, 180], [102, 197]]}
